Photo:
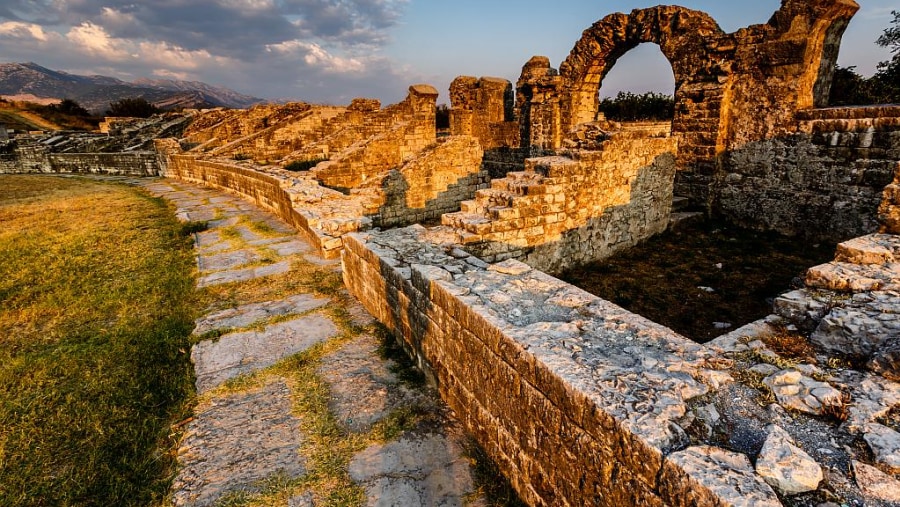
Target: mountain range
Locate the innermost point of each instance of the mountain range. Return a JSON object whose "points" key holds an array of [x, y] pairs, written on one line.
{"points": [[95, 93]]}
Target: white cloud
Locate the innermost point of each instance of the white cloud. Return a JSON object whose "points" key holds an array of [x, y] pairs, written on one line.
{"points": [[315, 55], [20, 30], [96, 41]]}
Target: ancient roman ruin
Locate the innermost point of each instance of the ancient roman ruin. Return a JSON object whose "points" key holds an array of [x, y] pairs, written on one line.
{"points": [[451, 241]]}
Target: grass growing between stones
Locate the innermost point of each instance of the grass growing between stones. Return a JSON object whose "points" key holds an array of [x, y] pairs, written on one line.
{"points": [[697, 275], [96, 305]]}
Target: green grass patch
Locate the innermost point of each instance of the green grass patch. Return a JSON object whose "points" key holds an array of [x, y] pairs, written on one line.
{"points": [[96, 306]]}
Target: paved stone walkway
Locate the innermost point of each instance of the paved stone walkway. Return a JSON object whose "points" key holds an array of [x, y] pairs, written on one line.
{"points": [[296, 406]]}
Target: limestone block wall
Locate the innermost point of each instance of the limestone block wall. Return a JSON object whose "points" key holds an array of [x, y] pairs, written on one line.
{"points": [[433, 183], [484, 108], [24, 156], [573, 397], [573, 209], [824, 182], [404, 130], [263, 189], [123, 164]]}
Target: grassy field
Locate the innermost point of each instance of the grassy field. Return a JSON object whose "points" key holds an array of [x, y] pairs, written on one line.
{"points": [[96, 305]]}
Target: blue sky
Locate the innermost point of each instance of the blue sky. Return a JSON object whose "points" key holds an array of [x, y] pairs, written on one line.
{"points": [[330, 51]]}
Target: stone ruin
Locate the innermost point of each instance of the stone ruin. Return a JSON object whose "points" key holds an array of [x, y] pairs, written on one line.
{"points": [[577, 400]]}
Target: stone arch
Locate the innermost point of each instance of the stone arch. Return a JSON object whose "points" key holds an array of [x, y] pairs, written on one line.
{"points": [[680, 33]]}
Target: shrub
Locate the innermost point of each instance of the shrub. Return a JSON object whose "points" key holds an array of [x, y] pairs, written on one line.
{"points": [[628, 106]]}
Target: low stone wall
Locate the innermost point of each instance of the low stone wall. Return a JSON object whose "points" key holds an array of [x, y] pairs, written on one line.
{"points": [[823, 183], [34, 158], [575, 399], [263, 189]]}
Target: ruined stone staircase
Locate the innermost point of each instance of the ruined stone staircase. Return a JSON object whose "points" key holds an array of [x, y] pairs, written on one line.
{"points": [[522, 200], [852, 304]]}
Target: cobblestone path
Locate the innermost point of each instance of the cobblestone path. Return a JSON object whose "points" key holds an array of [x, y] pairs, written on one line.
{"points": [[298, 400]]}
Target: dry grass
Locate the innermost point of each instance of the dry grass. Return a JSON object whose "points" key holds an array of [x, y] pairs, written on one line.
{"points": [[96, 288]]}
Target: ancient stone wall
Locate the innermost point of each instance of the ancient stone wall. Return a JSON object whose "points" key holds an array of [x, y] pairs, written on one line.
{"points": [[573, 397], [402, 131], [824, 182], [433, 183], [730, 89], [573, 209], [22, 156], [484, 108]]}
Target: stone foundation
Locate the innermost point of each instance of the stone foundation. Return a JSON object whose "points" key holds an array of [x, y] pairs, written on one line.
{"points": [[822, 183], [583, 403], [575, 398]]}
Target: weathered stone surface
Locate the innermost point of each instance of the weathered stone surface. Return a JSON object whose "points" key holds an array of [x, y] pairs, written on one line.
{"points": [[242, 275], [236, 441], [363, 388], [870, 249], [886, 361], [227, 260], [873, 397], [785, 466], [416, 470], [803, 307], [799, 392], [246, 315], [885, 445], [846, 277], [861, 326], [704, 475], [239, 353], [875, 484]]}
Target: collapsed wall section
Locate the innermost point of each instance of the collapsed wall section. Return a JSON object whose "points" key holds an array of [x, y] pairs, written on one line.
{"points": [[405, 130]]}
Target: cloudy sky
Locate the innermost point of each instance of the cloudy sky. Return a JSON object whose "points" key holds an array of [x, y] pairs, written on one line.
{"points": [[334, 50]]}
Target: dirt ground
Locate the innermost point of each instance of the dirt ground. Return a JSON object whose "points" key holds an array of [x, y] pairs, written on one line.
{"points": [[702, 279]]}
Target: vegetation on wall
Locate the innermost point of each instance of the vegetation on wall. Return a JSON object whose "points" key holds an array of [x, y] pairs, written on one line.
{"points": [[628, 106], [849, 88]]}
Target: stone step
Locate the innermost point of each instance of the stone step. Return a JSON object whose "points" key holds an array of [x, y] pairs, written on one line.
{"points": [[848, 277], [683, 218], [473, 207], [468, 222], [494, 196], [679, 203], [871, 249]]}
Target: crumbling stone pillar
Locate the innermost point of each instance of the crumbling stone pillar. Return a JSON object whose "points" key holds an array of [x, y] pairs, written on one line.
{"points": [[483, 108]]}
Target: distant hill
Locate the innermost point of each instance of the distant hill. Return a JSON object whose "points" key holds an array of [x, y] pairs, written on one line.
{"points": [[96, 92]]}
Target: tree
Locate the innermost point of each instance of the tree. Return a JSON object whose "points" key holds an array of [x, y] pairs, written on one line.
{"points": [[442, 117], [133, 107], [886, 81], [849, 88], [628, 106], [69, 106]]}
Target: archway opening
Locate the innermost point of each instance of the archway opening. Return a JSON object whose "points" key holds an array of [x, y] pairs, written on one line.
{"points": [[640, 87]]}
